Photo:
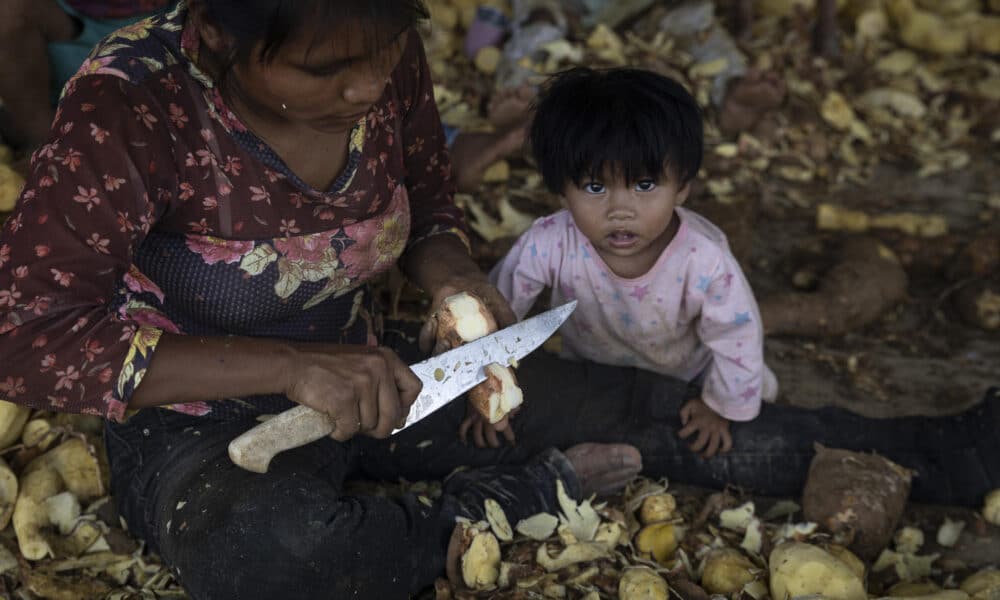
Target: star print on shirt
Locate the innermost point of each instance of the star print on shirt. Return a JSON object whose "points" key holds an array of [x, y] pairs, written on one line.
{"points": [[741, 318], [626, 319], [586, 255], [703, 283], [749, 393], [639, 292], [534, 250], [548, 222]]}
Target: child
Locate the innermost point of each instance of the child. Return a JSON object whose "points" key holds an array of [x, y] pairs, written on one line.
{"points": [[657, 285]]}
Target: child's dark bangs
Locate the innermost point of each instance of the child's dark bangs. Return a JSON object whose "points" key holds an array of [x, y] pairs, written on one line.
{"points": [[621, 139]]}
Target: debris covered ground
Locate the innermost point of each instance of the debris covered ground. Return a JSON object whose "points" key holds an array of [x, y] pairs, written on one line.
{"points": [[874, 184]]}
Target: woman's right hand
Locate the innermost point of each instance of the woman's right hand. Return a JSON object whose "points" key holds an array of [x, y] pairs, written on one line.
{"points": [[366, 390]]}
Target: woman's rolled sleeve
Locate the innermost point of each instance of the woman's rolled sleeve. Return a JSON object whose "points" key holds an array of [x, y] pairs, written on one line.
{"points": [[93, 193]]}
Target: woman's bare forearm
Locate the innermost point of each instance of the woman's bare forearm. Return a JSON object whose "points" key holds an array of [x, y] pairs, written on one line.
{"points": [[437, 260], [194, 368]]}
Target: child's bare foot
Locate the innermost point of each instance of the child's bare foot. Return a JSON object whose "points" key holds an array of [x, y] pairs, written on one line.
{"points": [[604, 468], [748, 98]]}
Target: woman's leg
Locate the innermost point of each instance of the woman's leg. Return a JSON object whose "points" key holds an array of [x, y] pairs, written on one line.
{"points": [[291, 533], [956, 459]]}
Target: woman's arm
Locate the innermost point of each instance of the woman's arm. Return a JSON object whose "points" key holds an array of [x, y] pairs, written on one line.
{"points": [[93, 193], [367, 390], [437, 257]]}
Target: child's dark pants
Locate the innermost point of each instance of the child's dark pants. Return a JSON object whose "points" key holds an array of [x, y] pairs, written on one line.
{"points": [[292, 534]]}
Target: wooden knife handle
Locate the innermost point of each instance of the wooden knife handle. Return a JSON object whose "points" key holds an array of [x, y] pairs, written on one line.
{"points": [[254, 449]]}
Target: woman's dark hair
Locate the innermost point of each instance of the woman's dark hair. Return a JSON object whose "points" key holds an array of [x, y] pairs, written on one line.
{"points": [[636, 122], [273, 22]]}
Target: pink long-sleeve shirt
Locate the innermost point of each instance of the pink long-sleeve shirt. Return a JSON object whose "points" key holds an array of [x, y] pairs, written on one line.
{"points": [[692, 315]]}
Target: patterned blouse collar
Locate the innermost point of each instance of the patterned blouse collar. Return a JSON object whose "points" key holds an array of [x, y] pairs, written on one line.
{"points": [[190, 47]]}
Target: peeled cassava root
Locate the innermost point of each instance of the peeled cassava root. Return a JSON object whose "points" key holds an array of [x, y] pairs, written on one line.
{"points": [[480, 557], [465, 318], [991, 507], [72, 467], [642, 583], [867, 281], [726, 571], [799, 569]]}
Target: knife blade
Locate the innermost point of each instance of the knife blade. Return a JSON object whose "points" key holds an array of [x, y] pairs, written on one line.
{"points": [[450, 374], [445, 377]]}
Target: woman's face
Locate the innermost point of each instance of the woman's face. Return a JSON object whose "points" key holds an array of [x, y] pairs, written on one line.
{"points": [[325, 81]]}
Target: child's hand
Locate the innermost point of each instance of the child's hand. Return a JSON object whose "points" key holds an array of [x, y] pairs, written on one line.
{"points": [[713, 429], [484, 433]]}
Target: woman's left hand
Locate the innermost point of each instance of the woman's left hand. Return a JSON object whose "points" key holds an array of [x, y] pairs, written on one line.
{"points": [[476, 284]]}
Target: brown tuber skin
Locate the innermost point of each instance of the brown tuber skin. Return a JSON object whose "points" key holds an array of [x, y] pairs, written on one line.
{"points": [[857, 497], [864, 284]]}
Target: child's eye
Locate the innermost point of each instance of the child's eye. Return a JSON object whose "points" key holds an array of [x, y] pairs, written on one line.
{"points": [[593, 188], [646, 185]]}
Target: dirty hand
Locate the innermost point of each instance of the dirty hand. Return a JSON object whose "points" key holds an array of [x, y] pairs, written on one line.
{"points": [[712, 429], [484, 433], [366, 390], [476, 284]]}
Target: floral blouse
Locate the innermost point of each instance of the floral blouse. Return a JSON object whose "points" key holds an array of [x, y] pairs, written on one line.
{"points": [[153, 208]]}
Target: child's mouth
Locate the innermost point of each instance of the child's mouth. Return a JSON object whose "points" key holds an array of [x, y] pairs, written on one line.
{"points": [[622, 239]]}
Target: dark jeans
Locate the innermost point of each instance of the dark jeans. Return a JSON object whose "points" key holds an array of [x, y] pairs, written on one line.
{"points": [[291, 533]]}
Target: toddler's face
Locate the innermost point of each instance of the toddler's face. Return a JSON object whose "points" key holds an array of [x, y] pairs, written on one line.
{"points": [[628, 223]]}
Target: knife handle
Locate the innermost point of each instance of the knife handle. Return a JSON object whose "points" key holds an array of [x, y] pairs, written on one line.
{"points": [[254, 449]]}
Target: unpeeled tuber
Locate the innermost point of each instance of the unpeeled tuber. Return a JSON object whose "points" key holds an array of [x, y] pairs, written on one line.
{"points": [[857, 497], [866, 282]]}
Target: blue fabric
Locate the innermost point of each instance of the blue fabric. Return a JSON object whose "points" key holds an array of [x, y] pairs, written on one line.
{"points": [[450, 133]]}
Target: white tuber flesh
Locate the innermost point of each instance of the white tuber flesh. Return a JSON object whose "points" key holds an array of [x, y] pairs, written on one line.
{"points": [[69, 466], [464, 318], [8, 493], [12, 420], [950, 532], [642, 583], [799, 569], [991, 507], [498, 395], [481, 559]]}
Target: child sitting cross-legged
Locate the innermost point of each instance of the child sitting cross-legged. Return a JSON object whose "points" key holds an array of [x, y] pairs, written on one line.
{"points": [[657, 285]]}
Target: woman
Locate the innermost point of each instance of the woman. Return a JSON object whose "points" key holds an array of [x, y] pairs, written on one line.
{"points": [[220, 184], [195, 241]]}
